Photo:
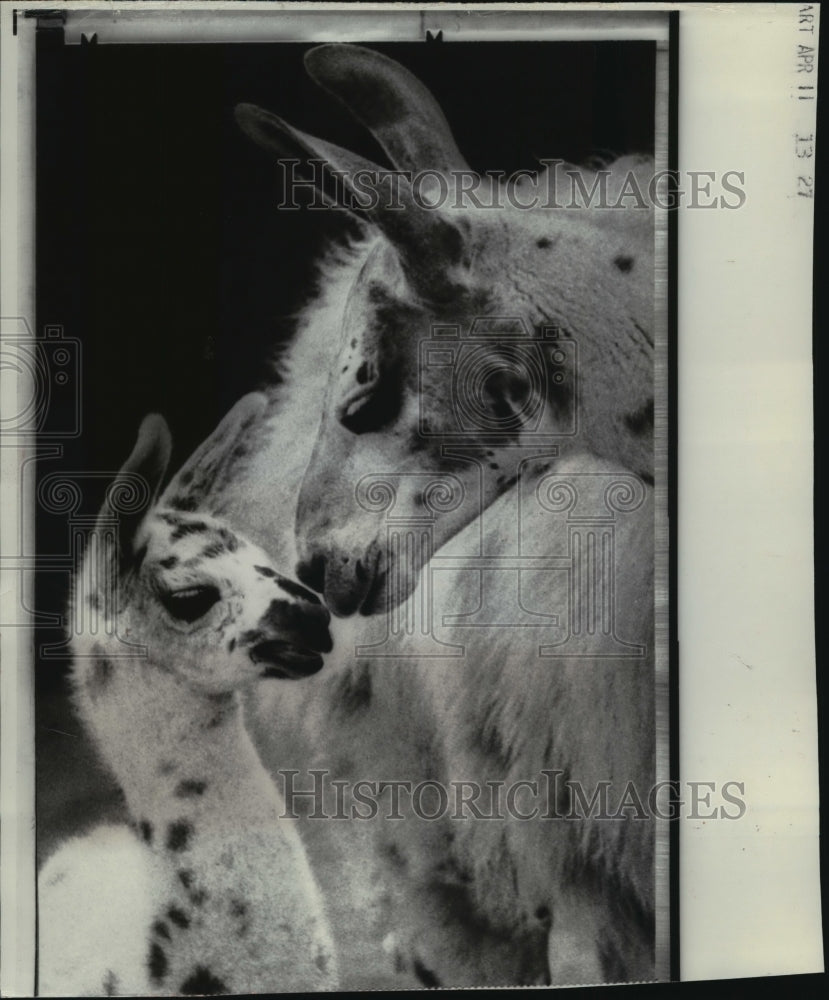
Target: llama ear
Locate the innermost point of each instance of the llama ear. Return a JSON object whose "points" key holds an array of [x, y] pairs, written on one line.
{"points": [[276, 136], [432, 249], [135, 488], [214, 464], [392, 103]]}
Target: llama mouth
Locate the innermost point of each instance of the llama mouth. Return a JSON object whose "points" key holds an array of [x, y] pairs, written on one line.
{"points": [[376, 597], [380, 598], [286, 660]]}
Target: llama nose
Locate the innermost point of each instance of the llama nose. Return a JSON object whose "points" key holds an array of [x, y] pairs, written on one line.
{"points": [[343, 580]]}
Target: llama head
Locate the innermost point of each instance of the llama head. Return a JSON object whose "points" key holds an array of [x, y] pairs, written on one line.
{"points": [[205, 602], [466, 323]]}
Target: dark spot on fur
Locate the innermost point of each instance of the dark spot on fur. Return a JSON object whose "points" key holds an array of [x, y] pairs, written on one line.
{"points": [[426, 976], [186, 477], [494, 465], [394, 856], [231, 645], [295, 590], [110, 984], [184, 503], [624, 263], [353, 343], [178, 835], [216, 549], [198, 897], [222, 711], [146, 830], [189, 528], [202, 981], [231, 542], [353, 692], [190, 788], [321, 962], [166, 767], [170, 519], [238, 908], [265, 571], [185, 876], [543, 243], [178, 917], [157, 962], [491, 741], [169, 562], [641, 421], [648, 336], [161, 930], [101, 675], [543, 915], [363, 373]]}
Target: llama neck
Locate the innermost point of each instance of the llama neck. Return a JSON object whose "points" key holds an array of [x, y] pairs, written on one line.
{"points": [[237, 907], [249, 498], [183, 759]]}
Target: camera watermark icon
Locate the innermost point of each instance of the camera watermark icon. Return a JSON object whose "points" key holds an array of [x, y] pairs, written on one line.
{"points": [[500, 379], [41, 382], [40, 394], [40, 410]]}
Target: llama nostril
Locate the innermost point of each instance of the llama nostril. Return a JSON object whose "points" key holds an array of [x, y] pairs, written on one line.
{"points": [[312, 572]]}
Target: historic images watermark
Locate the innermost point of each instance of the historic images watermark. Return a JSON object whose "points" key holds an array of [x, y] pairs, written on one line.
{"points": [[316, 184], [547, 796]]}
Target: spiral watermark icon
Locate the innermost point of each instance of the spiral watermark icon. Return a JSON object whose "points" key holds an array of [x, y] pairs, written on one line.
{"points": [[91, 559]]}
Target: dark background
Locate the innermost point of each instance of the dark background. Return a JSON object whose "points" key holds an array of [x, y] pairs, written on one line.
{"points": [[159, 244], [160, 248]]}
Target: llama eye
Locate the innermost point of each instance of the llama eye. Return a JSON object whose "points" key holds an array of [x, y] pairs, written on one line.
{"points": [[191, 604]]}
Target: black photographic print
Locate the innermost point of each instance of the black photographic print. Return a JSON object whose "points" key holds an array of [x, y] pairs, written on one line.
{"points": [[352, 509]]}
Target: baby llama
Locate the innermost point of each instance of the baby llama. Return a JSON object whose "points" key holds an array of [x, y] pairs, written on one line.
{"points": [[208, 890]]}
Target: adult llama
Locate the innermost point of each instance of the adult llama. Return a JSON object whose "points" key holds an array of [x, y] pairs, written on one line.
{"points": [[469, 402]]}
